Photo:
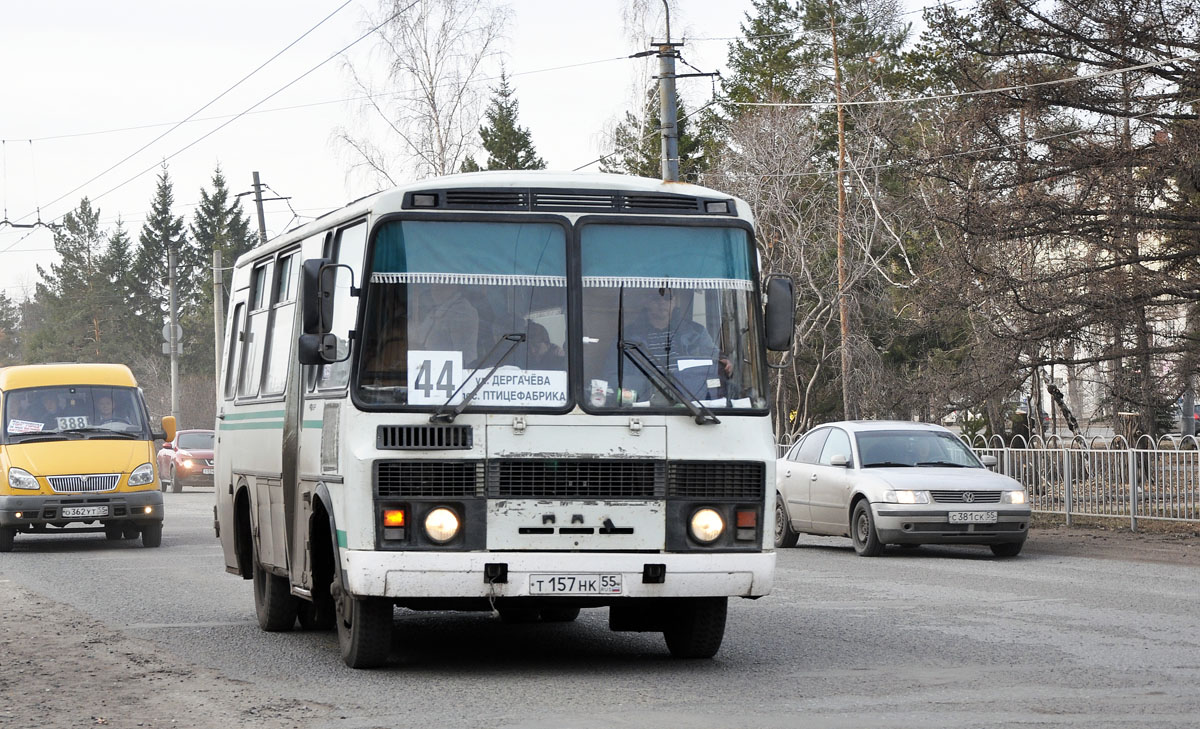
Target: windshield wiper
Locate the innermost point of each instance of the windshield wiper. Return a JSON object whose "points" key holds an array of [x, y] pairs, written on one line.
{"points": [[440, 414], [666, 383], [97, 430], [947, 464], [41, 436], [887, 464]]}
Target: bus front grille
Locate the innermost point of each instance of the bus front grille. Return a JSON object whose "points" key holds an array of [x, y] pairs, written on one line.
{"points": [[437, 479], [575, 479], [716, 480]]}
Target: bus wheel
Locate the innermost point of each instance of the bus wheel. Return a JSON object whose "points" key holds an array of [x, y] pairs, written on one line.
{"points": [[152, 535], [113, 532], [364, 626], [273, 601], [129, 530], [7, 536], [697, 628]]}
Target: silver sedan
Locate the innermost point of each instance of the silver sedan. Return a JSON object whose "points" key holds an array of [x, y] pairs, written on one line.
{"points": [[881, 483]]}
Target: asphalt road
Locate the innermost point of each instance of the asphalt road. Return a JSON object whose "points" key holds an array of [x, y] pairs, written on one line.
{"points": [[935, 637]]}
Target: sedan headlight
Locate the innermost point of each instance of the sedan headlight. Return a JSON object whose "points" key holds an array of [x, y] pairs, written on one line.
{"points": [[906, 497], [707, 525], [187, 463], [1013, 497], [142, 475], [19, 478]]}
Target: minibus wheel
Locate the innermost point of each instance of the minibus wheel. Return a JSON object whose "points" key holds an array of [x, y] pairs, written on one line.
{"points": [[273, 602], [7, 536], [113, 531], [152, 535]]}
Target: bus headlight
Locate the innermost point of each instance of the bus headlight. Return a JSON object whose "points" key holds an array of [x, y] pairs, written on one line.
{"points": [[707, 526], [19, 478], [441, 525], [142, 475]]}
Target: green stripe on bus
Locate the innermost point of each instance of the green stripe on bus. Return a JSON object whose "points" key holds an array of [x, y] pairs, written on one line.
{"points": [[260, 415], [314, 424], [341, 537], [266, 425]]}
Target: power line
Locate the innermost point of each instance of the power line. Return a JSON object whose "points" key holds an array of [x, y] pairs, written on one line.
{"points": [[964, 94], [194, 113]]}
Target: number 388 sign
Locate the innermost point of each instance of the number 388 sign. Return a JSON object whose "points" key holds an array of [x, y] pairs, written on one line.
{"points": [[433, 376]]}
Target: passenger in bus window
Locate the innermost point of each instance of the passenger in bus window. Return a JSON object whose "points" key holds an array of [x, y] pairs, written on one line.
{"points": [[543, 353], [105, 413], [447, 322], [48, 411]]}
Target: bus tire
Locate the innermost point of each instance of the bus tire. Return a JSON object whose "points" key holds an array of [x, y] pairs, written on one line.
{"points": [[151, 535], [697, 628], [273, 602], [8, 535], [364, 626], [313, 616], [129, 530], [113, 531]]}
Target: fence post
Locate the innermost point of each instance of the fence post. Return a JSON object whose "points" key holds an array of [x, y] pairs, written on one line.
{"points": [[1067, 484], [1133, 487]]}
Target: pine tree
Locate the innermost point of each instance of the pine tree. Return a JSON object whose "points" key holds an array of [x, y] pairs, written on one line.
{"points": [[73, 300], [509, 145], [10, 331], [765, 65], [219, 224], [162, 232]]}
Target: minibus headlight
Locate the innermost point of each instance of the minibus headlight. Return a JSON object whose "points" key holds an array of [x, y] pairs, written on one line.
{"points": [[142, 475], [707, 525], [441, 525], [19, 478]]}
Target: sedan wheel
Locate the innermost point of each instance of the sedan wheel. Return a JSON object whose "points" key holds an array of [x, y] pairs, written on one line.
{"points": [[784, 535], [862, 531], [1011, 549]]}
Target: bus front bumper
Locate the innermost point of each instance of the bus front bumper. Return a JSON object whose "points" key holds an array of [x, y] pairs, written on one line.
{"points": [[532, 574], [141, 507]]}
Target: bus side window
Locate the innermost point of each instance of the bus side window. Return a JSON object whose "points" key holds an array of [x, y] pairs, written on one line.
{"points": [[256, 331], [277, 348], [233, 349], [351, 244]]}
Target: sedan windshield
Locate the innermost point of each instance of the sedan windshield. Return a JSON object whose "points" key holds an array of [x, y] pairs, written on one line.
{"points": [[448, 301], [196, 441], [668, 313], [91, 410], [883, 448]]}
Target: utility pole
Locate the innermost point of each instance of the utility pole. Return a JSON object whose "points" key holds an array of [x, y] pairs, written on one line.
{"points": [[667, 106], [173, 339], [218, 293], [258, 201], [843, 309]]}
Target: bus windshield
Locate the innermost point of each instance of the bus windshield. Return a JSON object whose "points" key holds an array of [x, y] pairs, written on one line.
{"points": [[668, 313], [444, 300], [89, 409]]}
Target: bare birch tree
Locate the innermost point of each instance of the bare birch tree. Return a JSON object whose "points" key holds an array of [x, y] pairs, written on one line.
{"points": [[428, 104]]}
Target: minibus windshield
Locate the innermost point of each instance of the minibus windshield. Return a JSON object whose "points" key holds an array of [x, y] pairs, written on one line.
{"points": [[87, 410]]}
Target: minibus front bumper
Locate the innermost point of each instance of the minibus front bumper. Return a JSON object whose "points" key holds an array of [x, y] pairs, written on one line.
{"points": [[139, 507]]}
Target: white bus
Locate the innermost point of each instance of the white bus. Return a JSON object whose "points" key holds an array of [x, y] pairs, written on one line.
{"points": [[464, 394]]}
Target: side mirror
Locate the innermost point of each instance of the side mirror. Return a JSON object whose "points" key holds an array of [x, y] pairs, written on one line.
{"points": [[780, 313], [989, 461], [169, 446], [317, 284], [317, 349], [168, 426], [839, 459]]}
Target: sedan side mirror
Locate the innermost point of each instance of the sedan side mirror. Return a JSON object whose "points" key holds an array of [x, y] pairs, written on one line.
{"points": [[839, 459], [989, 461]]}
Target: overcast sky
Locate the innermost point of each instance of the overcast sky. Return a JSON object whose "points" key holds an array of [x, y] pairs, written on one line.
{"points": [[91, 83]]}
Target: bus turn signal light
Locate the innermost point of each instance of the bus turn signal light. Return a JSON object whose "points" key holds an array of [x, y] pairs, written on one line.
{"points": [[393, 517]]}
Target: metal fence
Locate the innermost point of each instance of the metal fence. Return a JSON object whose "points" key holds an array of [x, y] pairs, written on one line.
{"points": [[1104, 477]]}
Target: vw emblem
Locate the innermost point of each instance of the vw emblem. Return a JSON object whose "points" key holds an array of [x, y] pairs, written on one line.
{"points": [[968, 497]]}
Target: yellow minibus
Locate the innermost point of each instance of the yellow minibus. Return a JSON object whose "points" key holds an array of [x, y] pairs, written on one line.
{"points": [[77, 451]]}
